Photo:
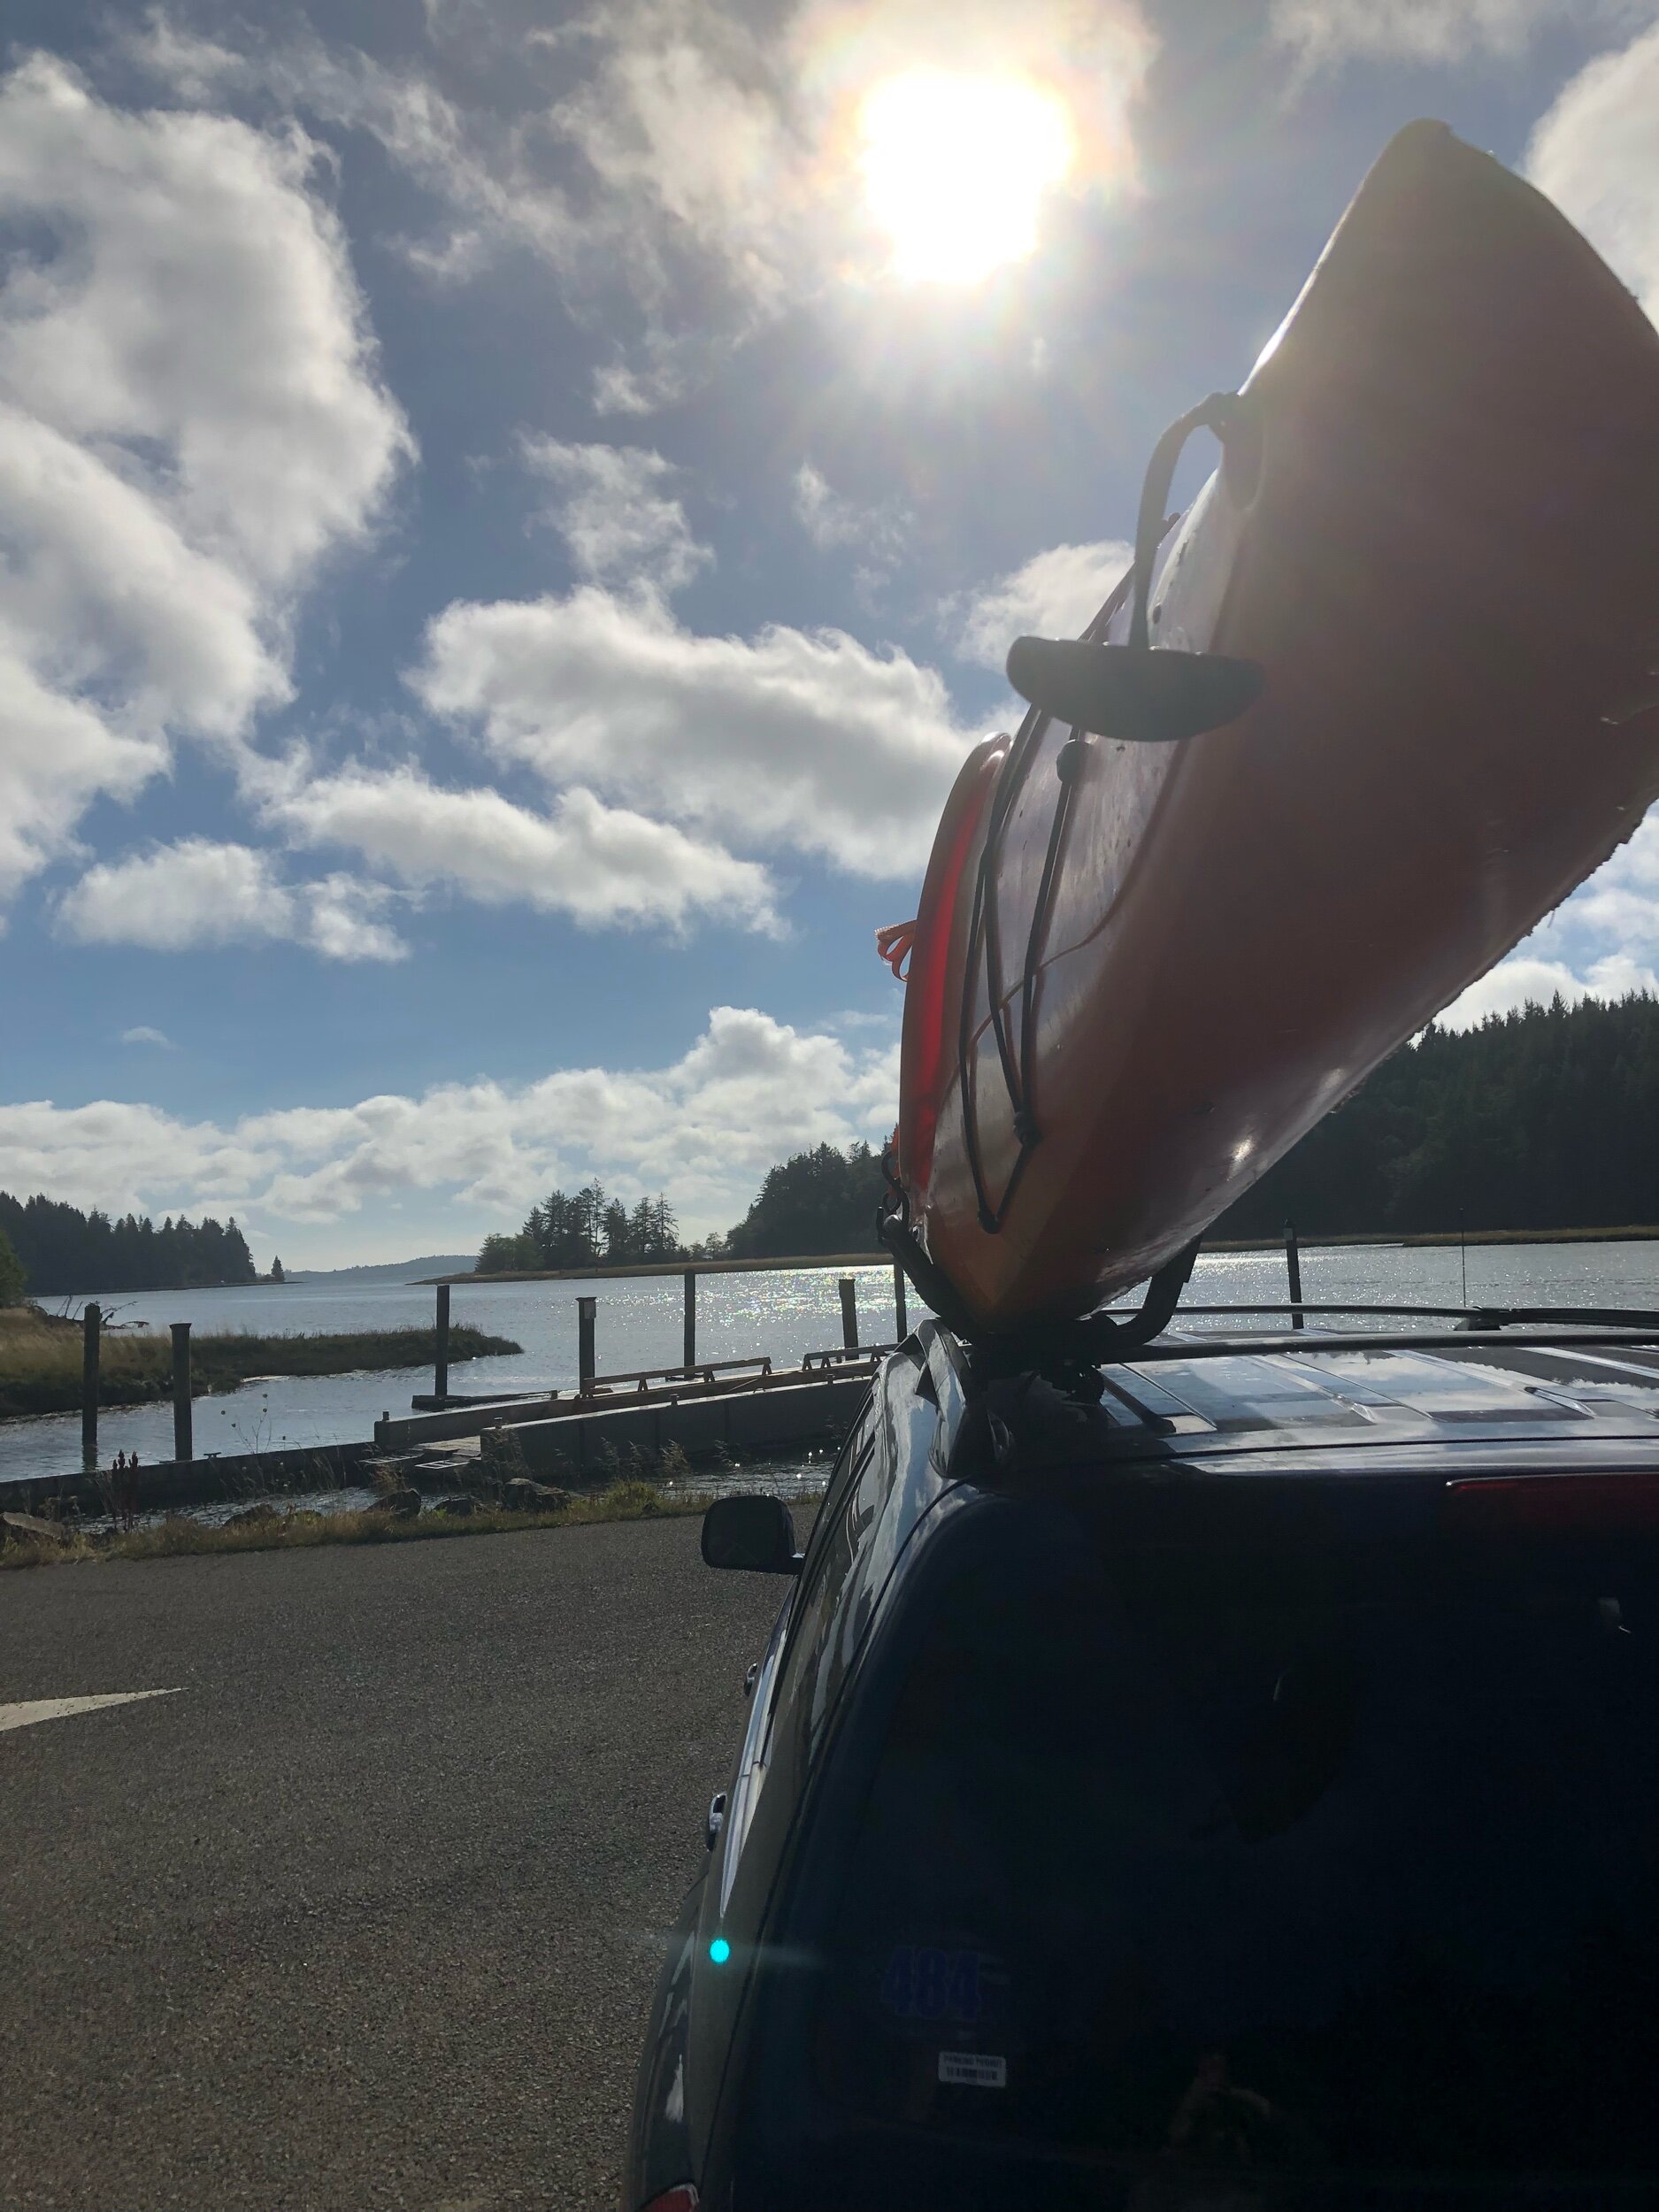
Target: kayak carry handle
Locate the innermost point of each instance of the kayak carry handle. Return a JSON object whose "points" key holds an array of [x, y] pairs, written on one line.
{"points": [[1134, 692], [1122, 691]]}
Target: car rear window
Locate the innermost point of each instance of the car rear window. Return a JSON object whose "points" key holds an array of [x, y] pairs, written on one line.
{"points": [[1341, 1885]]}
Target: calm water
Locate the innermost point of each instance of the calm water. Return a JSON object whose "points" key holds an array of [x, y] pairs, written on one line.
{"points": [[783, 1314]]}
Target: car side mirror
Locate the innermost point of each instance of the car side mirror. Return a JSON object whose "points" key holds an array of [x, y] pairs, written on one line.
{"points": [[754, 1532]]}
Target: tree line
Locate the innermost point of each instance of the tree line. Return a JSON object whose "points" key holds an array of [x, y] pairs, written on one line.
{"points": [[60, 1250], [823, 1201], [586, 1229], [1546, 1119]]}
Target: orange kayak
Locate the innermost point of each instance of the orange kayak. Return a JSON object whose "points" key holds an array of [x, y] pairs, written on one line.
{"points": [[1142, 970]]}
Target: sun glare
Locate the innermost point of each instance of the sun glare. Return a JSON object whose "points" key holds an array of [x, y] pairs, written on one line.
{"points": [[954, 169]]}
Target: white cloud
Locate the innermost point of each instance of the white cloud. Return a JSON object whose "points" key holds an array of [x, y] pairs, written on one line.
{"points": [[1056, 593], [143, 1034], [788, 739], [611, 510], [56, 756], [200, 300], [1522, 980], [694, 162], [189, 417], [877, 536], [597, 863], [480, 172], [704, 1128], [197, 893], [1603, 942], [1419, 30], [1596, 154], [112, 601]]}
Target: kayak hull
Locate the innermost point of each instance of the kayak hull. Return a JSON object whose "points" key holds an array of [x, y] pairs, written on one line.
{"points": [[1442, 542]]}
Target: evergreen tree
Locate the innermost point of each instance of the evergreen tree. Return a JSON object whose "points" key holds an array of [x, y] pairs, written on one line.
{"points": [[12, 1275], [823, 1201]]}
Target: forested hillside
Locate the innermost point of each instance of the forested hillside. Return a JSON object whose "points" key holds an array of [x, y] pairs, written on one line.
{"points": [[63, 1249], [1544, 1119], [816, 1201]]}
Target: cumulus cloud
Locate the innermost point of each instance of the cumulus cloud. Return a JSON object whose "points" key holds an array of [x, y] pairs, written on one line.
{"points": [[695, 161], [875, 535], [787, 739], [143, 1034], [197, 893], [190, 415], [480, 169], [597, 863], [1419, 30], [610, 506], [1524, 982], [704, 1126], [1056, 593], [1596, 154]]}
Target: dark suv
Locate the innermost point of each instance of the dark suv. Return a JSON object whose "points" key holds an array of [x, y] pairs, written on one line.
{"points": [[1240, 1791]]}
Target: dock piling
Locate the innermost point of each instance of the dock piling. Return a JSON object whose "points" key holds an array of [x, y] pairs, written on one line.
{"points": [[441, 1364], [1293, 1268], [850, 1313], [183, 1435], [901, 1325], [690, 1347], [584, 1368], [91, 1321]]}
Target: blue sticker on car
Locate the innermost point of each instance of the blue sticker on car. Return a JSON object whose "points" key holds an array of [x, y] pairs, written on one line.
{"points": [[923, 1983]]}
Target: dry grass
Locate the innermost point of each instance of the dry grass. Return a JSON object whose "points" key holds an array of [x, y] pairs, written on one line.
{"points": [[40, 1359], [179, 1537]]}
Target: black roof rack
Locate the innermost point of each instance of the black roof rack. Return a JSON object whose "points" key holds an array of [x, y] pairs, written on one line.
{"points": [[1278, 1343], [1469, 1318]]}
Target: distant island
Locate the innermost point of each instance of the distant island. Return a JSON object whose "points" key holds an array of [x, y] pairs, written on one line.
{"points": [[388, 1270]]}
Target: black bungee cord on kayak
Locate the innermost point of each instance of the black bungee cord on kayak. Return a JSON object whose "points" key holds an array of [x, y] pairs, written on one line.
{"points": [[1129, 692]]}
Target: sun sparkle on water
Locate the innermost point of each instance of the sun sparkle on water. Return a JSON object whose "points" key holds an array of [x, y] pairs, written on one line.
{"points": [[954, 169]]}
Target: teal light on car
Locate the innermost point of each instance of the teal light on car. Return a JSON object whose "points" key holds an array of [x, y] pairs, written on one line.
{"points": [[719, 1951]]}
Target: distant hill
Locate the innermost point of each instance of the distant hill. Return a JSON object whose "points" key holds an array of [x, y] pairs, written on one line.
{"points": [[389, 1270]]}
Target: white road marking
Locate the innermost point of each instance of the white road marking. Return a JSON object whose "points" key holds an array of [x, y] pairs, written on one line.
{"points": [[24, 1715]]}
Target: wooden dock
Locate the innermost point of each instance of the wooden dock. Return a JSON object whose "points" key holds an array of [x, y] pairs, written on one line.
{"points": [[569, 1435]]}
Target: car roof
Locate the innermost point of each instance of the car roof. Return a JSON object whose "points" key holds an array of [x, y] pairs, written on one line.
{"points": [[1318, 1396]]}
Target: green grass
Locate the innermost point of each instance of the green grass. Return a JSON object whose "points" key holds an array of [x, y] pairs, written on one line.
{"points": [[179, 1537], [40, 1359]]}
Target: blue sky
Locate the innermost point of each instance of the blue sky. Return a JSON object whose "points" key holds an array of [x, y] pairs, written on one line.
{"points": [[510, 519]]}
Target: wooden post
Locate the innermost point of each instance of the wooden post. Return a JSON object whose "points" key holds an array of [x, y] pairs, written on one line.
{"points": [[90, 1323], [1293, 1268], [902, 1327], [690, 1344], [440, 1366], [584, 1345], [850, 1313], [183, 1435]]}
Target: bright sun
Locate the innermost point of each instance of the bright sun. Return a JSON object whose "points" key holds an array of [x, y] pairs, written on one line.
{"points": [[955, 167]]}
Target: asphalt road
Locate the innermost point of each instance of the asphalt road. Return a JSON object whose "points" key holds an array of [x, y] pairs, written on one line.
{"points": [[369, 1913]]}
